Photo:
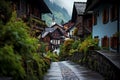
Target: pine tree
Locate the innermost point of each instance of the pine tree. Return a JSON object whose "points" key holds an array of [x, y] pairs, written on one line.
{"points": [[62, 22]]}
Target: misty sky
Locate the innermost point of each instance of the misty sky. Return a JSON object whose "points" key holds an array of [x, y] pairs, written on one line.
{"points": [[67, 4]]}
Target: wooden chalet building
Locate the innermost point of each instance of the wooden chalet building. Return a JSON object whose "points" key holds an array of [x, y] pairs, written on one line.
{"points": [[31, 11], [70, 31], [53, 36], [81, 20], [87, 24], [69, 27], [46, 38], [56, 38], [105, 23]]}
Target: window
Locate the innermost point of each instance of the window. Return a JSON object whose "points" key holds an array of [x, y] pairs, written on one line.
{"points": [[95, 18], [58, 41], [114, 42], [113, 13], [89, 23], [105, 15], [105, 42]]}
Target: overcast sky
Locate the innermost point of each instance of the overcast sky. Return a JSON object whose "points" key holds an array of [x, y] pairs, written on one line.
{"points": [[67, 4]]}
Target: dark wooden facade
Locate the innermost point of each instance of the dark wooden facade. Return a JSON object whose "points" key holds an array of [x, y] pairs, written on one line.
{"points": [[53, 36], [81, 19], [31, 11], [46, 39], [56, 38]]}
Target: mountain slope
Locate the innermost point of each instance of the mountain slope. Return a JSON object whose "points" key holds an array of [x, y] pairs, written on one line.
{"points": [[58, 12]]}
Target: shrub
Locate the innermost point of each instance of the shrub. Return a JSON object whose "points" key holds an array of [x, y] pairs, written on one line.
{"points": [[11, 64], [65, 48], [68, 44], [18, 49], [76, 44], [87, 44], [52, 56], [75, 32]]}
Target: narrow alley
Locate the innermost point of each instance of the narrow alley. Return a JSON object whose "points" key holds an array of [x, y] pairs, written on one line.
{"points": [[59, 40], [66, 70]]}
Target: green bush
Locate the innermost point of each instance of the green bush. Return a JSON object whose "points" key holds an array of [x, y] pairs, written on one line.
{"points": [[65, 48], [70, 47], [76, 44], [18, 49], [39, 65], [52, 56], [11, 64], [88, 44]]}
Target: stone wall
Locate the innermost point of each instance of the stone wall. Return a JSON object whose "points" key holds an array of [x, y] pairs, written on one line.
{"points": [[97, 62]]}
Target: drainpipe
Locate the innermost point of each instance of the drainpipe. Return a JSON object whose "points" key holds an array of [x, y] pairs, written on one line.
{"points": [[118, 28]]}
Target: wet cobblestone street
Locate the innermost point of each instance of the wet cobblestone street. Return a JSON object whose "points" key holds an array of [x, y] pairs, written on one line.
{"points": [[67, 73], [66, 70]]}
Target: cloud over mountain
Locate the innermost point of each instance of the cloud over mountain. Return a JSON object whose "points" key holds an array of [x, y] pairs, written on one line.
{"points": [[59, 13], [67, 4]]}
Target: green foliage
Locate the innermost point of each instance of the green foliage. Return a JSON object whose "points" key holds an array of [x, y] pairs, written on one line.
{"points": [[62, 53], [88, 44], [18, 49], [62, 49], [76, 44], [42, 47], [75, 32], [52, 56], [39, 65], [16, 33], [11, 64], [68, 44], [72, 51], [70, 47]]}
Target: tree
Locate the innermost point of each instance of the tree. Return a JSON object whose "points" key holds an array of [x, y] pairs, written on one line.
{"points": [[62, 22]]}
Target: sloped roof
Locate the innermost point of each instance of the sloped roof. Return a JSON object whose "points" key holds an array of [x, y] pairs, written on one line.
{"points": [[70, 28], [51, 30], [44, 34], [80, 7], [58, 26], [47, 31], [41, 5]]}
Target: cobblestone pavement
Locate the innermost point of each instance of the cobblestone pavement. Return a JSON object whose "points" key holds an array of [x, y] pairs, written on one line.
{"points": [[67, 73], [66, 70]]}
